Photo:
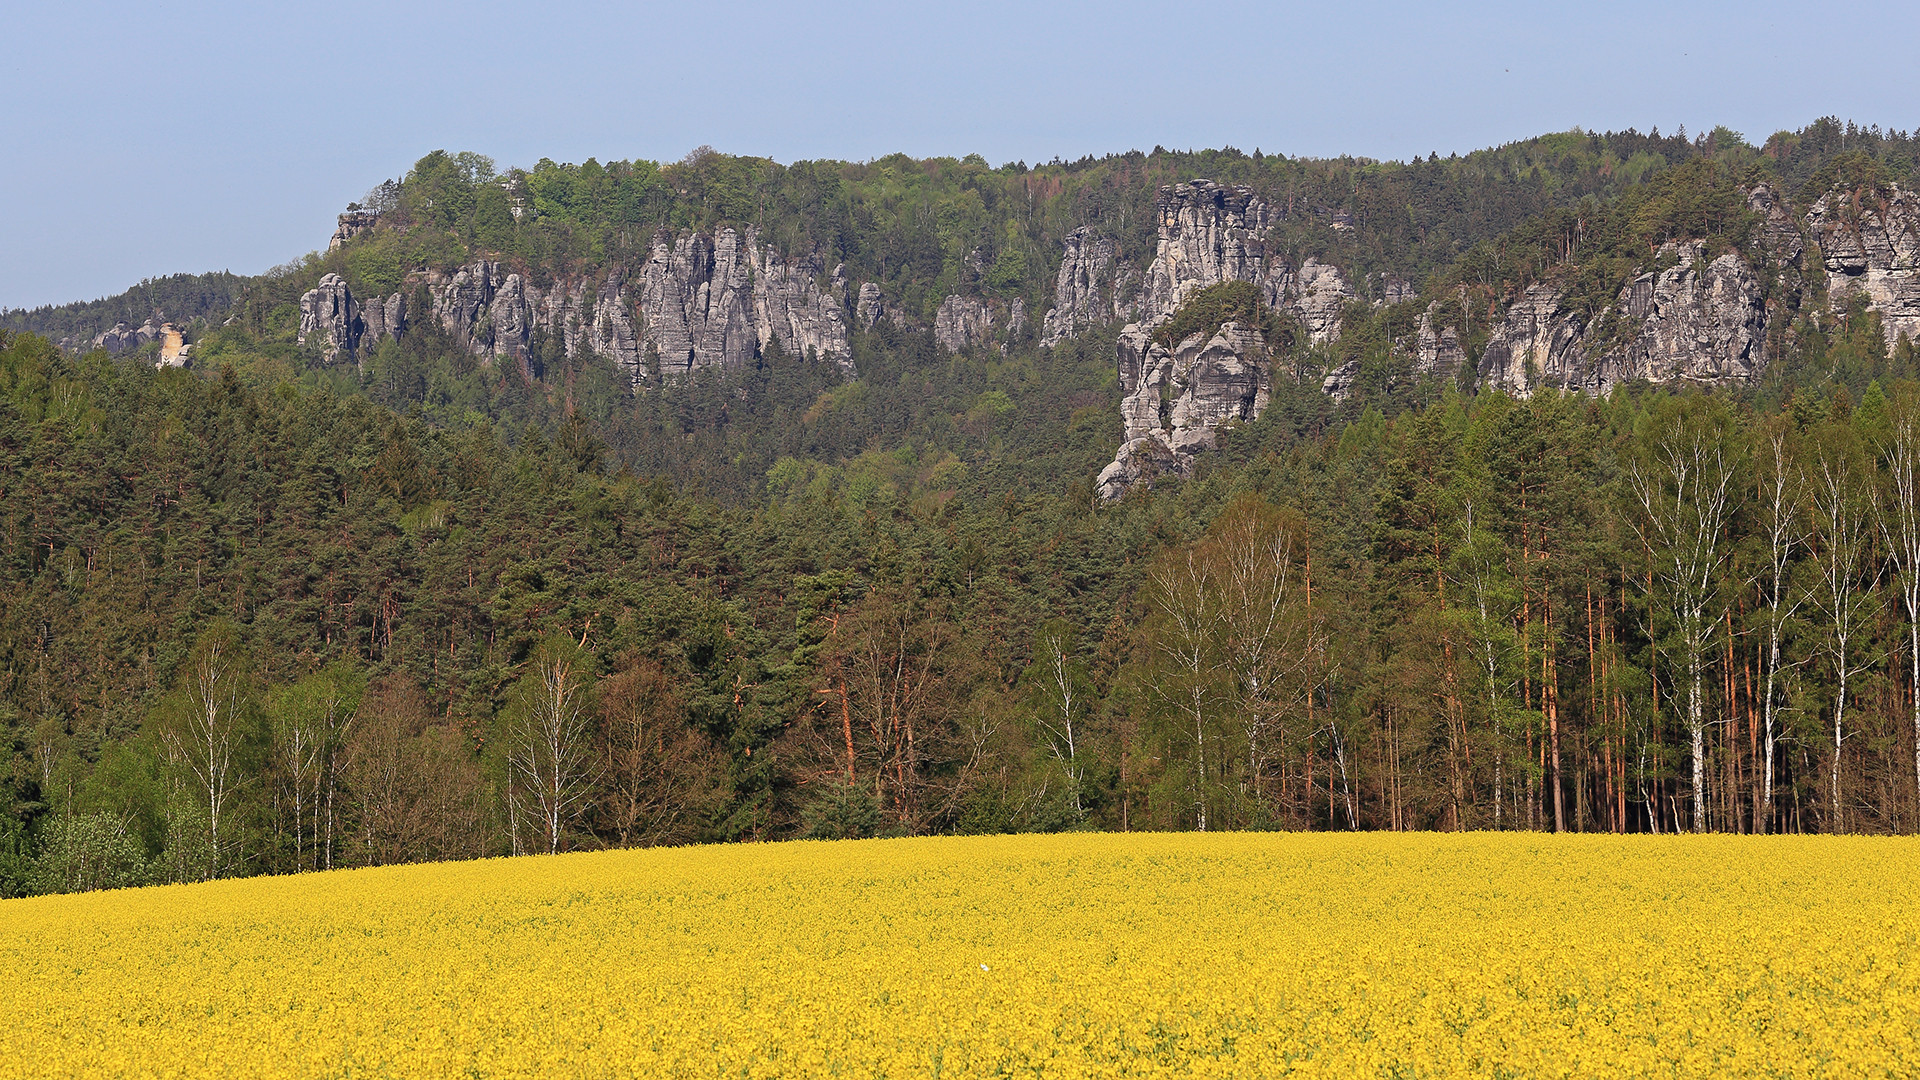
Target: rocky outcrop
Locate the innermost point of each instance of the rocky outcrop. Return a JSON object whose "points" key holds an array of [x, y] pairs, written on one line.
{"points": [[384, 318], [1317, 295], [352, 224], [698, 302], [1338, 384], [873, 306], [124, 339], [1436, 346], [1870, 243], [963, 322], [1178, 397], [174, 350], [1698, 321], [1209, 233], [330, 318], [717, 301], [1090, 289], [1694, 320], [1536, 343]]}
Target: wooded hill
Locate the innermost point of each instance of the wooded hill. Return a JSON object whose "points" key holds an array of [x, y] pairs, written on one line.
{"points": [[273, 614]]}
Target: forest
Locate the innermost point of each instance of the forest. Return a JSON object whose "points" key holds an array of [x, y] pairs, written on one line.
{"points": [[269, 614]]}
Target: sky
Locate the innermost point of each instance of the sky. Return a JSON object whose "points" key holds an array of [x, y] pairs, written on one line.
{"points": [[154, 138]]}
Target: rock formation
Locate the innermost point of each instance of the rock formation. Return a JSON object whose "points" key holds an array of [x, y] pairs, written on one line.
{"points": [[873, 306], [1180, 396], [174, 350], [1208, 234], [1871, 245], [1089, 290], [698, 301], [352, 224], [329, 315], [1694, 321], [123, 339], [1436, 347], [963, 322]]}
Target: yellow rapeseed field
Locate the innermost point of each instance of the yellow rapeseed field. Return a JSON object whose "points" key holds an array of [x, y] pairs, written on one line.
{"points": [[1084, 955]]}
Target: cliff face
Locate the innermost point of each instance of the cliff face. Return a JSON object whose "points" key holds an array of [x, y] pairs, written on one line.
{"points": [[1091, 288], [1208, 234], [1871, 246], [965, 322], [1696, 321], [698, 301], [1180, 396]]}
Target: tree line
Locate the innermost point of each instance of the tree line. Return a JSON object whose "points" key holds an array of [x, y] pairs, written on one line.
{"points": [[275, 629]]}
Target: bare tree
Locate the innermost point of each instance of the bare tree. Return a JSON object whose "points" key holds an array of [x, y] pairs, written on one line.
{"points": [[659, 772], [1265, 634], [204, 738], [1684, 491], [1900, 525], [1061, 698], [1481, 572], [549, 743], [310, 721], [1781, 493], [1840, 504], [1189, 609]]}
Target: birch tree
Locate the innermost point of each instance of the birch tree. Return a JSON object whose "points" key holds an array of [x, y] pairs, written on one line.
{"points": [[1061, 697], [1783, 527], [204, 736], [1683, 489], [549, 743], [1900, 525], [1847, 577]]}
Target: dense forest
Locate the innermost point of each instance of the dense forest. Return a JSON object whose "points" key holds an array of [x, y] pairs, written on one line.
{"points": [[273, 614]]}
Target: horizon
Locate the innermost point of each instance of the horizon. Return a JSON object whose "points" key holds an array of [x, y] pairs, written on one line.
{"points": [[235, 140], [1055, 162]]}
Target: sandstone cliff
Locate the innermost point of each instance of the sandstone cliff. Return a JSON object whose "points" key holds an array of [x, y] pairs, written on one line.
{"points": [[1870, 243], [698, 301], [1208, 234], [1696, 320], [1092, 288]]}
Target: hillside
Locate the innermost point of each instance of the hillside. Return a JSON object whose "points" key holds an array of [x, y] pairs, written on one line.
{"points": [[1171, 491]]}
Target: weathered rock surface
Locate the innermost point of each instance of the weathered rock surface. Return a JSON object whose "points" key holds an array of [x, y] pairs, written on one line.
{"points": [[1871, 246], [352, 224], [1694, 321], [963, 322], [698, 301], [330, 316], [174, 350], [1088, 291], [1208, 234], [1536, 343], [1318, 295], [873, 306], [1178, 397], [123, 338], [1436, 348]]}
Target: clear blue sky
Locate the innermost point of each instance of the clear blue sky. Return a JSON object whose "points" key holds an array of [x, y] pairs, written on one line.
{"points": [[154, 138]]}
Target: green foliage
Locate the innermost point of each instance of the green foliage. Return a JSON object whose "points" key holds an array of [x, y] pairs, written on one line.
{"points": [[840, 811], [85, 852], [1206, 310]]}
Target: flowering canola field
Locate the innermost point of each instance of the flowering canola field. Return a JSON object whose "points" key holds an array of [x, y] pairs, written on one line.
{"points": [[1083, 955]]}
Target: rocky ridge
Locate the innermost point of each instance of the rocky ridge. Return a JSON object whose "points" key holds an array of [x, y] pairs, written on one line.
{"points": [[1177, 396], [698, 301]]}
